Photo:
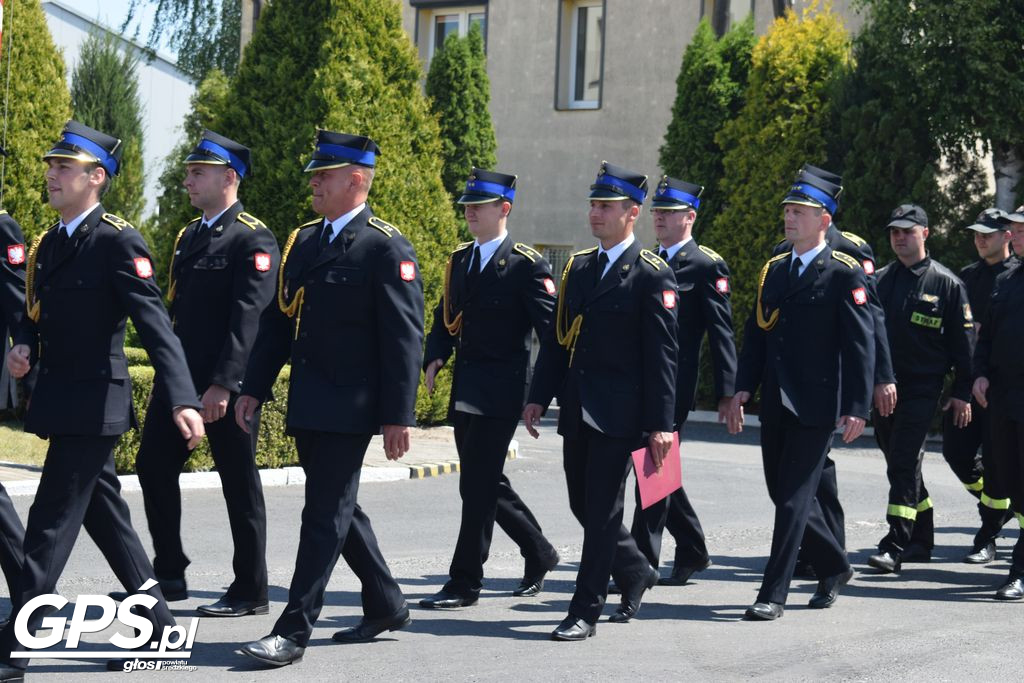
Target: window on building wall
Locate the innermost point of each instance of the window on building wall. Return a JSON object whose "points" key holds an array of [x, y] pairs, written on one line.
{"points": [[580, 54], [435, 24]]}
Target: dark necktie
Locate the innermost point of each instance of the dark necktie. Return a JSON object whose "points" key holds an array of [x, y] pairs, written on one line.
{"points": [[473, 274], [794, 271], [325, 237], [602, 263], [663, 255], [62, 236]]}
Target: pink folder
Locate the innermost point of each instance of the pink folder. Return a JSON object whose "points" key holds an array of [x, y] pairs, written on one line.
{"points": [[655, 485]]}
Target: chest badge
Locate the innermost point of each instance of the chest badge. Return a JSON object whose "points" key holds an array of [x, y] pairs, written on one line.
{"points": [[668, 299], [143, 268], [16, 254], [262, 261], [407, 270]]}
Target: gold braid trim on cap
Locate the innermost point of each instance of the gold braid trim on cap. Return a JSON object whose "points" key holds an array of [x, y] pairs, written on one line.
{"points": [[31, 305], [170, 270], [567, 333], [768, 324], [293, 309]]}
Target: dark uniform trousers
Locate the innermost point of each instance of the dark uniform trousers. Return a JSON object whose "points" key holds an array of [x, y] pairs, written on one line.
{"points": [[618, 373], [218, 289], [334, 525], [163, 453], [1007, 426], [12, 535], [82, 403]]}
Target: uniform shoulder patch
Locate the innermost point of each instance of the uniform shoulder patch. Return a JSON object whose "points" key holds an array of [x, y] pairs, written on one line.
{"points": [[847, 259], [116, 221], [464, 245], [250, 221], [855, 238], [585, 251], [527, 251], [384, 226], [652, 259], [711, 253]]}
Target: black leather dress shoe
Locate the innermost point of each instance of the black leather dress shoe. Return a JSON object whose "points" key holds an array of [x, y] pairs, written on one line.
{"points": [[629, 604], [828, 590], [533, 576], [982, 555], [681, 573], [572, 628], [529, 587], [1013, 590], [368, 629], [274, 650], [233, 607], [764, 611], [448, 600], [174, 590], [887, 562], [11, 673], [916, 552]]}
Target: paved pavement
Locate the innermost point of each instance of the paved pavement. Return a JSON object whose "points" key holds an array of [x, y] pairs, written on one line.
{"points": [[933, 622]]}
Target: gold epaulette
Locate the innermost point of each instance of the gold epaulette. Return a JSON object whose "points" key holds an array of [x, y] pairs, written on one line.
{"points": [[565, 332], [384, 226], [527, 251], [292, 309], [170, 270], [584, 251], [653, 259], [711, 253], [116, 221], [309, 223], [249, 220], [462, 246], [846, 258], [856, 239], [762, 322], [31, 305]]}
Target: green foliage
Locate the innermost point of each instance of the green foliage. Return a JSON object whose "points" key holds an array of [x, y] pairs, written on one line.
{"points": [[174, 208], [709, 92], [105, 96], [274, 448], [38, 106], [344, 65], [136, 355], [433, 409], [460, 95], [206, 34], [782, 124]]}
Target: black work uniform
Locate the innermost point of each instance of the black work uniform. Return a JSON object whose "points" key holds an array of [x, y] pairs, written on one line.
{"points": [[960, 446], [998, 357], [610, 355], [807, 335], [489, 316], [84, 288], [222, 277], [350, 320], [929, 324], [702, 279]]}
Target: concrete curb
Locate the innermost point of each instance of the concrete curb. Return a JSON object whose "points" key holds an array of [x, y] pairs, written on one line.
{"points": [[452, 466]]}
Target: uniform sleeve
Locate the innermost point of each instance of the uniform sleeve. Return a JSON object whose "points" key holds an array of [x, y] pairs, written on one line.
{"points": [[252, 290], [552, 360], [983, 347], [959, 338], [440, 344], [717, 310], [539, 296], [12, 272], [270, 351], [138, 293], [399, 311], [750, 368], [660, 350], [857, 346], [883, 371]]}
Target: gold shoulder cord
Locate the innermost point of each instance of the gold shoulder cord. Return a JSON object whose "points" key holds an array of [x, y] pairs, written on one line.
{"points": [[170, 270], [31, 305], [768, 324], [453, 325], [567, 333], [293, 309]]}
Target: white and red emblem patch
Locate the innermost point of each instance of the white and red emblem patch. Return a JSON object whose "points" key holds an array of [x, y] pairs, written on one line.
{"points": [[407, 271], [860, 297], [262, 261], [549, 285], [722, 285], [16, 254], [668, 298], [869, 266], [143, 268]]}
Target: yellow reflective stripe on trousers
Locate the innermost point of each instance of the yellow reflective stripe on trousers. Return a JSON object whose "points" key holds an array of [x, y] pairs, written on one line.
{"points": [[975, 486], [995, 503], [901, 511], [1020, 519], [925, 504]]}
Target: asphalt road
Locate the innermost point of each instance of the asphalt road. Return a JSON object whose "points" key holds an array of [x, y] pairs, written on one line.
{"points": [[934, 622]]}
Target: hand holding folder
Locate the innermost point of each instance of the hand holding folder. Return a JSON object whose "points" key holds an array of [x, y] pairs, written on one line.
{"points": [[655, 485]]}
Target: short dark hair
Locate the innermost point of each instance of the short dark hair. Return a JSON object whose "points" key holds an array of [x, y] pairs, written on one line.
{"points": [[107, 179]]}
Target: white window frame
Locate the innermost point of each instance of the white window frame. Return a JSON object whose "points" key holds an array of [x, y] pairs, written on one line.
{"points": [[463, 29], [570, 96]]}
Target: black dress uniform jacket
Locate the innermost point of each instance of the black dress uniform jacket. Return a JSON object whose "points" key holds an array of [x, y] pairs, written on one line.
{"points": [[222, 278], [620, 369], [514, 293], [703, 280], [979, 279], [84, 291], [360, 308], [930, 327], [827, 309], [998, 354], [12, 271]]}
